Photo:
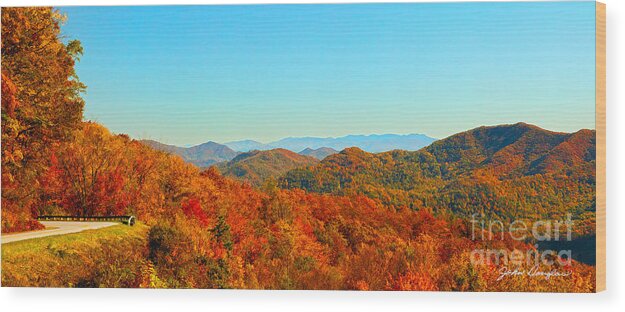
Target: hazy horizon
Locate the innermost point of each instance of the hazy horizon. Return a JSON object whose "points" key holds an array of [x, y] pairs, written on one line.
{"points": [[184, 75], [289, 137], [340, 136]]}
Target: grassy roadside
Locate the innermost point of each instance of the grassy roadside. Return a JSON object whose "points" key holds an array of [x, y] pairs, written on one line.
{"points": [[108, 257]]}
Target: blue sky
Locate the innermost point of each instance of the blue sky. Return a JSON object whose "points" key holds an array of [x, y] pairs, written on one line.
{"points": [[189, 74]]}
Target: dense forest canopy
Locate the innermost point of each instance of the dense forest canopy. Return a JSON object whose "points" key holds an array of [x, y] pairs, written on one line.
{"points": [[355, 221], [256, 167], [41, 103], [507, 172]]}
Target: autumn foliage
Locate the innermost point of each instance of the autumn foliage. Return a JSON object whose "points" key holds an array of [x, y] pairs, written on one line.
{"points": [[352, 222], [507, 172], [41, 105]]}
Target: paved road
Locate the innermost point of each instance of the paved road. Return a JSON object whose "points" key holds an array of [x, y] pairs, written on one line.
{"points": [[56, 228]]}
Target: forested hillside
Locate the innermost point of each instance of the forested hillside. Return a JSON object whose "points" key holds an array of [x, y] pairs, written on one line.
{"points": [[510, 172], [256, 166], [379, 224]]}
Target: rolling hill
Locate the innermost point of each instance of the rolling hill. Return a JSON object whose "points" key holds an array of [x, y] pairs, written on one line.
{"points": [[508, 171], [209, 153], [256, 166], [202, 155]]}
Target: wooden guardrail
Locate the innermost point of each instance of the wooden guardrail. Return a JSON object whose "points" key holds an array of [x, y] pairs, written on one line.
{"points": [[129, 220]]}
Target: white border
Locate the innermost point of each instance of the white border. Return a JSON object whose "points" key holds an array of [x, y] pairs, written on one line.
{"points": [[32, 299]]}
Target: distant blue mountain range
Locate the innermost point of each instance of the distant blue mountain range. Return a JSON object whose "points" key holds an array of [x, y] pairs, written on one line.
{"points": [[210, 153], [373, 143]]}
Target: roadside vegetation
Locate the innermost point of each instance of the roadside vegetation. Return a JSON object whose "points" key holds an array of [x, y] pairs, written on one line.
{"points": [[108, 257]]}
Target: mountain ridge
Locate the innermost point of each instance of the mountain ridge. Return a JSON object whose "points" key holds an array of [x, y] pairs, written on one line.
{"points": [[255, 167], [209, 153], [201, 155], [506, 171], [319, 153], [374, 143]]}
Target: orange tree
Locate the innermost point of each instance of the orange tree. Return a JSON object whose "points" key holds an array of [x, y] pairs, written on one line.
{"points": [[41, 104]]}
